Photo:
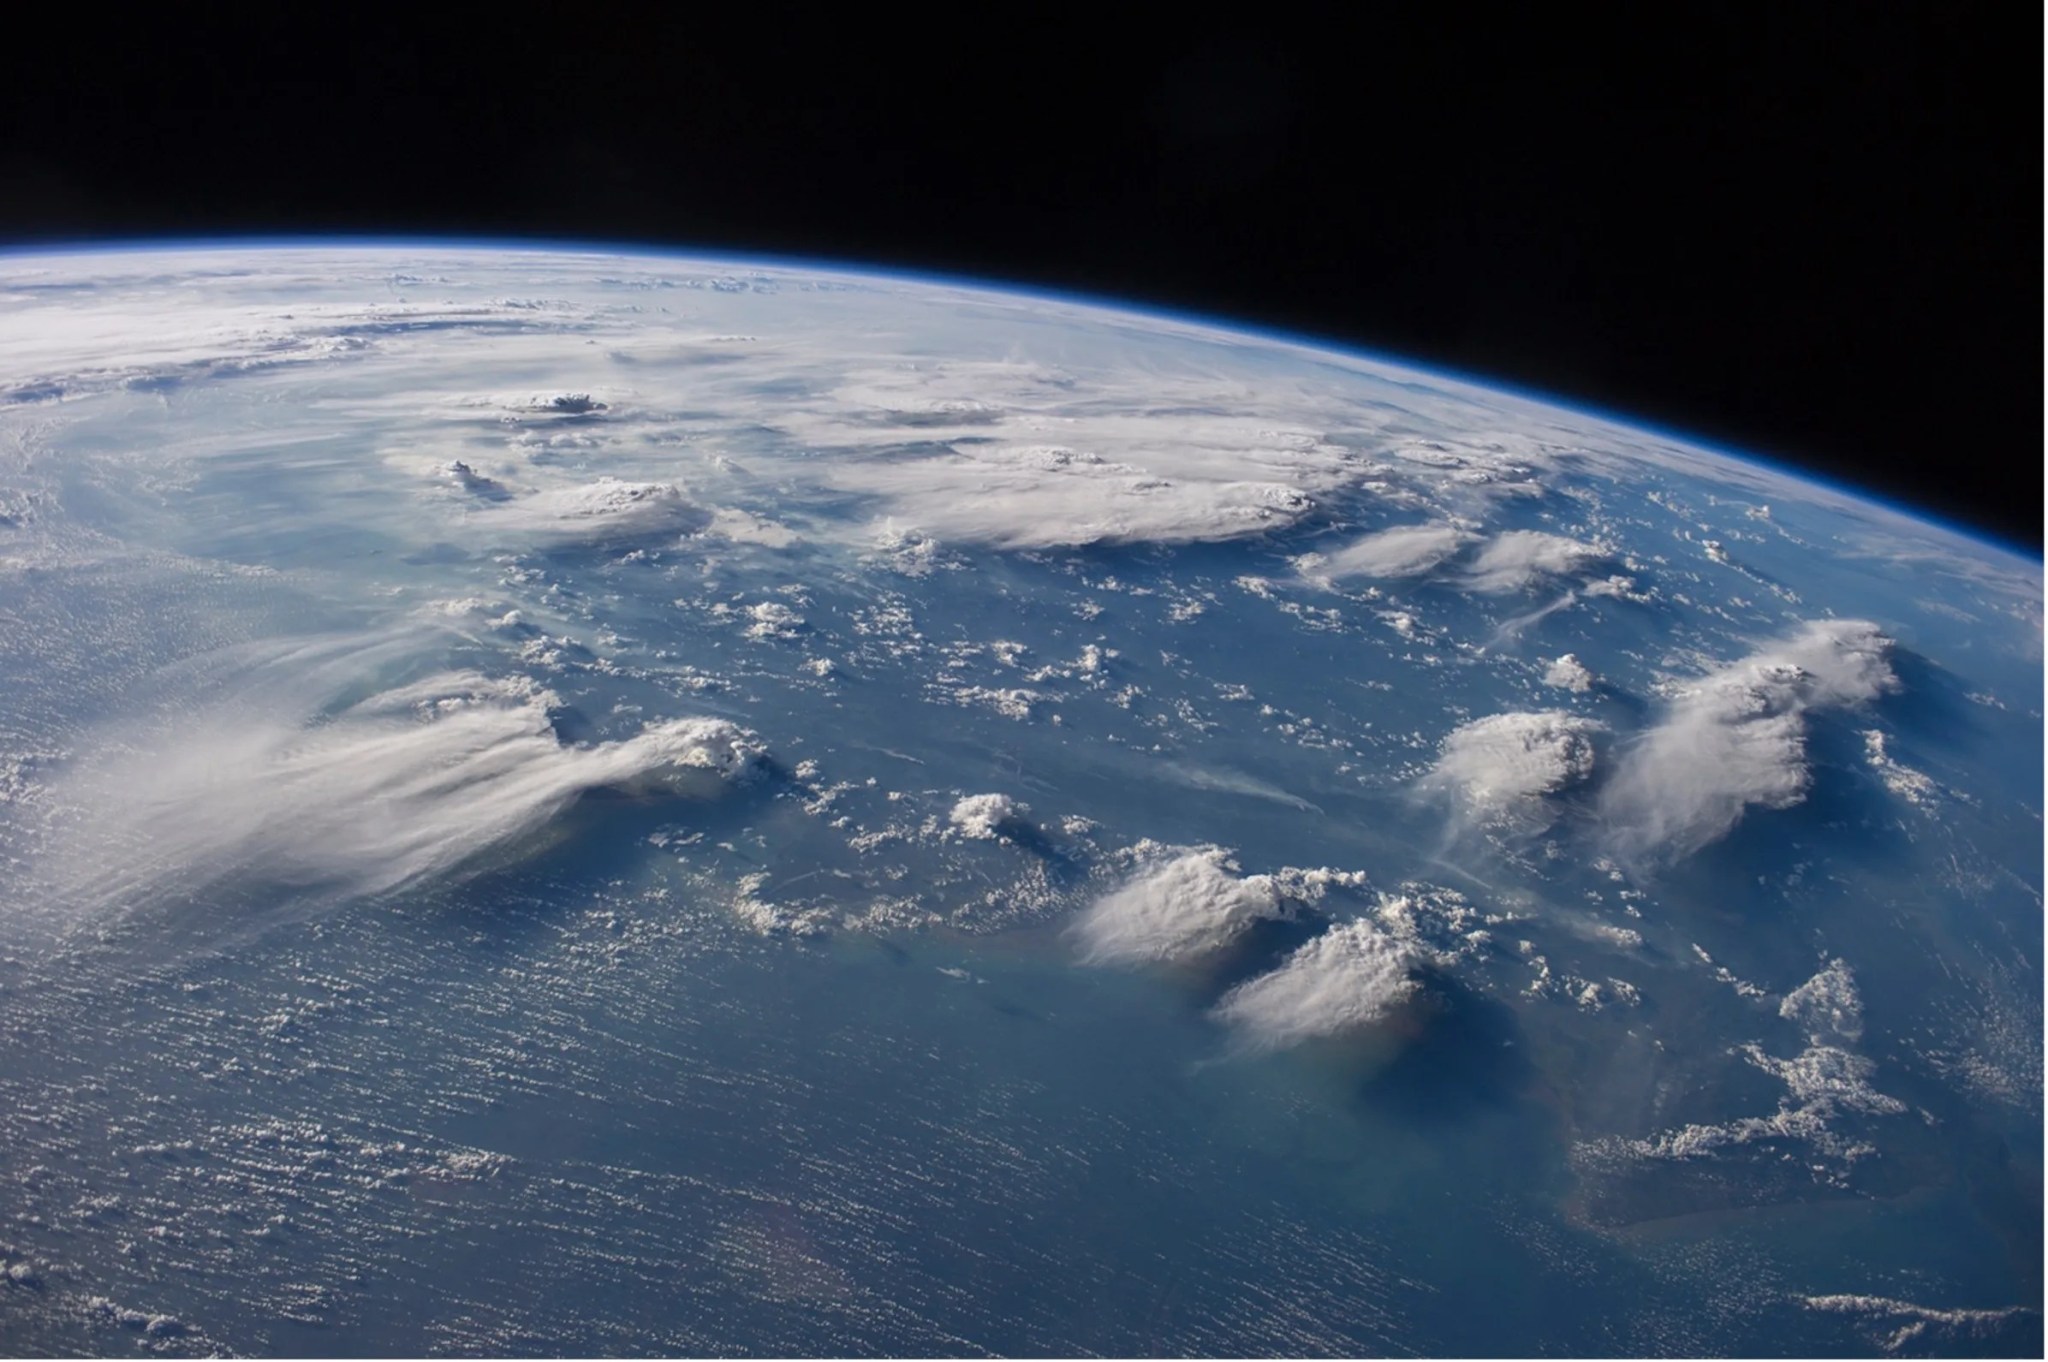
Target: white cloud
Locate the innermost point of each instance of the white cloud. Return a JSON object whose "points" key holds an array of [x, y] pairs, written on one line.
{"points": [[1351, 976], [1034, 497], [1915, 787], [1568, 673], [1506, 763], [1177, 908], [984, 816], [1407, 551], [311, 800], [1517, 559], [773, 619], [1737, 738], [608, 511], [1824, 1083], [1893, 1325], [1827, 1005]]}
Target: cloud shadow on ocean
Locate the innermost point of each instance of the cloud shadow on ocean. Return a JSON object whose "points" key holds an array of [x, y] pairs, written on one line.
{"points": [[1064, 866], [1934, 700], [1463, 1059], [1261, 948]]}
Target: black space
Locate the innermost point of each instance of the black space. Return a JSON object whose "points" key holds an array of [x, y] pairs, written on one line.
{"points": [[1809, 231]]}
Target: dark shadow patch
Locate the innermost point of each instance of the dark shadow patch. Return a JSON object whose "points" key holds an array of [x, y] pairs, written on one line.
{"points": [[1260, 949], [1465, 1060], [1062, 866], [1933, 701], [572, 727]]}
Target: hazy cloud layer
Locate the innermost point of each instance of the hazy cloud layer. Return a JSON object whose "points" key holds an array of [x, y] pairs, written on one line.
{"points": [[1737, 739], [1350, 976]]}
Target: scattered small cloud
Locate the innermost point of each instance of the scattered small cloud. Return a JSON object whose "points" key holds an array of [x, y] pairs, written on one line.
{"points": [[1825, 1083], [1915, 787], [1827, 1006], [1894, 1325]]}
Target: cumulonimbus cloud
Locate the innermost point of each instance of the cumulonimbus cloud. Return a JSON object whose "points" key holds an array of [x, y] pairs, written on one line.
{"points": [[1176, 908], [1349, 977], [1737, 739], [306, 799], [609, 511], [1515, 559], [1405, 551], [1050, 497], [1505, 761]]}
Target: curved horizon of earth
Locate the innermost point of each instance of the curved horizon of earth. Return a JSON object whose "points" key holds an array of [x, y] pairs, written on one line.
{"points": [[577, 802]]}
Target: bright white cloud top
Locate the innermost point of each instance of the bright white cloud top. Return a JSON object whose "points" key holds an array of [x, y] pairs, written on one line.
{"points": [[1349, 977], [1408, 551], [987, 816], [1506, 759], [293, 790], [1519, 559], [1176, 908], [1568, 673], [1737, 739]]}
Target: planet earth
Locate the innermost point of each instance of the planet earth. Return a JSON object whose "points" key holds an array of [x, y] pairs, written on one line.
{"points": [[568, 801]]}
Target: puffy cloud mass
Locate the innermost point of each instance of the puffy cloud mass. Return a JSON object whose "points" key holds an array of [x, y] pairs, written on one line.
{"points": [[1827, 1006], [1568, 673], [413, 782], [1408, 551], [1506, 760], [1047, 497], [984, 816], [1738, 738], [608, 511], [1350, 976], [1175, 909], [1517, 559]]}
